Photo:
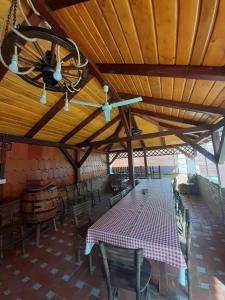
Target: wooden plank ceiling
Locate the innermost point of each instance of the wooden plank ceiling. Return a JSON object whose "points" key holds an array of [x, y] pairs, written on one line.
{"points": [[166, 32]]}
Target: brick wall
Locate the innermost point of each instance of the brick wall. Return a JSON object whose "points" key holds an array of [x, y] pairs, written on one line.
{"points": [[28, 162], [214, 196]]}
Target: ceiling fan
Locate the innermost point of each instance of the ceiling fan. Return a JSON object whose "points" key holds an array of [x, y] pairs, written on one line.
{"points": [[106, 108]]}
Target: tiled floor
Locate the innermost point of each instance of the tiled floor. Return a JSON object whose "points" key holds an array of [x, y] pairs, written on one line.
{"points": [[51, 271]]}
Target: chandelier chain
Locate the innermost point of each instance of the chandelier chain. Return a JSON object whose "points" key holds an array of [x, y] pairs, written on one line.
{"points": [[12, 13]]}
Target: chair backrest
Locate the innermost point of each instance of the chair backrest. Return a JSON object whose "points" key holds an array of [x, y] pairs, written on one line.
{"points": [[188, 232], [70, 191], [113, 200], [127, 259], [82, 213]]}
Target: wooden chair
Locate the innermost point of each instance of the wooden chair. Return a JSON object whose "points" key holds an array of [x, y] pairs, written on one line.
{"points": [[83, 191], [180, 213], [95, 190], [113, 200], [123, 193], [72, 195], [185, 242], [11, 227], [82, 220], [125, 269]]}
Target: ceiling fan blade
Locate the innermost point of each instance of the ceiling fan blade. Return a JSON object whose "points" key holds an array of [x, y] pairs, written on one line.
{"points": [[107, 115], [85, 103], [127, 102]]}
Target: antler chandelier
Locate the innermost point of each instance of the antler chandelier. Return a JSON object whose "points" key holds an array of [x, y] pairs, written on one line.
{"points": [[39, 56]]}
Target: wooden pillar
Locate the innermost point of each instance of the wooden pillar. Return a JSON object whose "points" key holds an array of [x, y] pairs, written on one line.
{"points": [[220, 168], [145, 163], [130, 163], [107, 163]]}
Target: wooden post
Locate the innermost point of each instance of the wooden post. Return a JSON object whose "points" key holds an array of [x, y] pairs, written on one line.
{"points": [[219, 167], [130, 163], [146, 163], [107, 163]]}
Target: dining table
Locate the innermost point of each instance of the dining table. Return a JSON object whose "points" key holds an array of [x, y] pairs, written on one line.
{"points": [[145, 218]]}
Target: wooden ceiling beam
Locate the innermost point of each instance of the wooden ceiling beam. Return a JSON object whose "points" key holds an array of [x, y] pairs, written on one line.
{"points": [[151, 135], [55, 5], [173, 71], [212, 110], [90, 118], [164, 116], [31, 141], [98, 132], [151, 148], [84, 157], [221, 151], [48, 116], [136, 126], [125, 121], [197, 147], [114, 158], [69, 158]]}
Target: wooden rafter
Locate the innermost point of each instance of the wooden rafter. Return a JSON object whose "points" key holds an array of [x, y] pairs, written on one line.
{"points": [[136, 126], [48, 116], [114, 158], [178, 104], [123, 146], [54, 5], [220, 156], [151, 148], [31, 141], [100, 131], [178, 71], [125, 121], [90, 118], [197, 147], [202, 128], [69, 158], [164, 116], [84, 157]]}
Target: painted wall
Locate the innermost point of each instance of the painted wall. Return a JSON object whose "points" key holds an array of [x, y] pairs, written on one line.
{"points": [[45, 164]]}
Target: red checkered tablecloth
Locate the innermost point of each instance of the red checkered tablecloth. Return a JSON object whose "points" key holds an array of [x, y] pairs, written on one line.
{"points": [[143, 221]]}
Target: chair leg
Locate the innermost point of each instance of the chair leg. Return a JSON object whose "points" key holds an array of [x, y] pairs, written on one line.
{"points": [[1, 246], [22, 238], [90, 263]]}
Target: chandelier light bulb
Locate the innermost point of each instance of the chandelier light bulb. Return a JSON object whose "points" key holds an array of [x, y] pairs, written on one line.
{"points": [[66, 104], [57, 74], [13, 67], [43, 99]]}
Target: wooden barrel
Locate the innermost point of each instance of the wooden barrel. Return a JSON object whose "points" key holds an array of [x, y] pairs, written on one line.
{"points": [[39, 205]]}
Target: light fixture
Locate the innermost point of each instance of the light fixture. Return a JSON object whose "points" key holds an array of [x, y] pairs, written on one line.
{"points": [[66, 104], [67, 73], [13, 67], [57, 75], [43, 99]]}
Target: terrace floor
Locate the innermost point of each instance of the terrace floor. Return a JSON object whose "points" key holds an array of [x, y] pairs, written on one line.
{"points": [[50, 271]]}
